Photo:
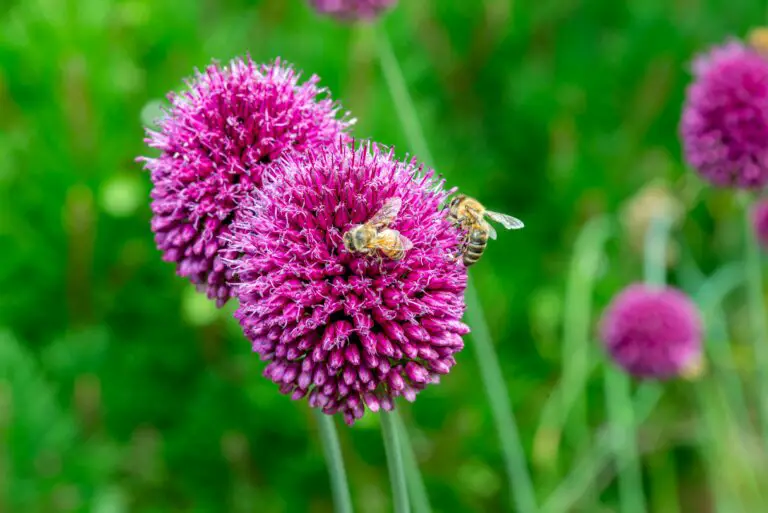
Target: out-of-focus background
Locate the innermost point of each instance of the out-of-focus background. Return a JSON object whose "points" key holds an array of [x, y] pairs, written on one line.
{"points": [[122, 390]]}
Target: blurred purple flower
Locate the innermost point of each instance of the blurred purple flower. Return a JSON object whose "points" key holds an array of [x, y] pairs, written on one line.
{"points": [[216, 140], [352, 9], [343, 329], [760, 221], [652, 332], [725, 117]]}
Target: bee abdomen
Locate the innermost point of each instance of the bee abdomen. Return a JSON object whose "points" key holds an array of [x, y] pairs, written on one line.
{"points": [[478, 240]]}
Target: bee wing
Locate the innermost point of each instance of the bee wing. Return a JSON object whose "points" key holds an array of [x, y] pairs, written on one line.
{"points": [[491, 231], [387, 213], [405, 242], [509, 222]]}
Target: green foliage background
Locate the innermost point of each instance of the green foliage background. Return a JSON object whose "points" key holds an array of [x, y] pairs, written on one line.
{"points": [[122, 390]]}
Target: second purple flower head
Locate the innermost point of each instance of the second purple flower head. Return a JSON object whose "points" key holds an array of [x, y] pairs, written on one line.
{"points": [[215, 141], [348, 330]]}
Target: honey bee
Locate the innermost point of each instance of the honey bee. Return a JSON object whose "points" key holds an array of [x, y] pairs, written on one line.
{"points": [[376, 235], [469, 215]]}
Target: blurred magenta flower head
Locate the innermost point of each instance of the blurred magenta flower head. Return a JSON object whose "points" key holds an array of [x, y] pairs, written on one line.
{"points": [[216, 139], [760, 221], [724, 124], [653, 332], [352, 9], [344, 329]]}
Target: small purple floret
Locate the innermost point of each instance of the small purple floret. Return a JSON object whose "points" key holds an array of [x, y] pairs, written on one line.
{"points": [[652, 333], [341, 329], [216, 140], [724, 124], [352, 9]]}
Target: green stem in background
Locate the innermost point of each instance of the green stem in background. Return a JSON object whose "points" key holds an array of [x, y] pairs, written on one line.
{"points": [[655, 251], [577, 326], [416, 488], [490, 371], [757, 313], [406, 111], [624, 440], [394, 452], [520, 481], [342, 503], [584, 474]]}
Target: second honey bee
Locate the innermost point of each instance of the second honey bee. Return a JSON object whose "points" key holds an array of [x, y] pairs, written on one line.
{"points": [[375, 235], [469, 215]]}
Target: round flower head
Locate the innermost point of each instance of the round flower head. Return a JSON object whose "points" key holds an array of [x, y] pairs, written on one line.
{"points": [[348, 329], [760, 221], [725, 117], [352, 9], [652, 332], [216, 140]]}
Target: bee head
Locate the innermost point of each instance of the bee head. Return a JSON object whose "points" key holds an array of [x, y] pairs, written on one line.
{"points": [[455, 201]]}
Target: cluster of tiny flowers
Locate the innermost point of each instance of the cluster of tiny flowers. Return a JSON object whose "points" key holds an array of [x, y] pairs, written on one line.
{"points": [[215, 140], [652, 332], [347, 330], [352, 9], [724, 124], [760, 222]]}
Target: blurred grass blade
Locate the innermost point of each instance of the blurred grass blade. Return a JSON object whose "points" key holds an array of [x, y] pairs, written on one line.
{"points": [[584, 474], [520, 482], [624, 440], [402, 100], [577, 323], [342, 502], [757, 314], [710, 296], [416, 489], [394, 451]]}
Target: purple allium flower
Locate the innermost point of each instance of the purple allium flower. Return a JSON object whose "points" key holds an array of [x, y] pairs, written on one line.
{"points": [[760, 221], [652, 332], [344, 329], [725, 117], [216, 140], [352, 9]]}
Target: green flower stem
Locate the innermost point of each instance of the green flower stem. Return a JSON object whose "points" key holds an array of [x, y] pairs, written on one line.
{"points": [[757, 313], [655, 249], [342, 503], [624, 440], [416, 488], [490, 371], [520, 481], [395, 462]]}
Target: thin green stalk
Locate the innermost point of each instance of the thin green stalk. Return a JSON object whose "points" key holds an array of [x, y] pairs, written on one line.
{"points": [[624, 441], [342, 502], [394, 452], [577, 326], [402, 100], [519, 480], [490, 371], [757, 314], [655, 251], [416, 488]]}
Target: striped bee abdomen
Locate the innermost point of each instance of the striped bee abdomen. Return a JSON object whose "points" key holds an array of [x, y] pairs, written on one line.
{"points": [[478, 239]]}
